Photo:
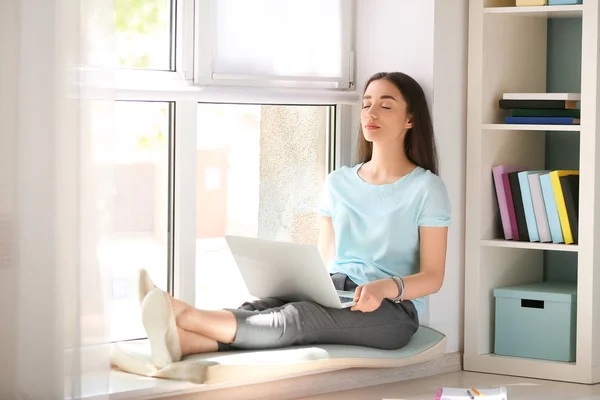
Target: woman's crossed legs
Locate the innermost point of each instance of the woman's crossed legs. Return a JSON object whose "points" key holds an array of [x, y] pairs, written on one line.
{"points": [[272, 323]]}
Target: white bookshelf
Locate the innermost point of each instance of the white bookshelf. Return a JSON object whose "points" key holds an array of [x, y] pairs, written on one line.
{"points": [[508, 244], [507, 53]]}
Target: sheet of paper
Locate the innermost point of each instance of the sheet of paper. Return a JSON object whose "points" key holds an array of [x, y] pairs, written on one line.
{"points": [[472, 393]]}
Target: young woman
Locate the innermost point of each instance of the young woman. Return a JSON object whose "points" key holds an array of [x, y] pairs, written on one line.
{"points": [[383, 233]]}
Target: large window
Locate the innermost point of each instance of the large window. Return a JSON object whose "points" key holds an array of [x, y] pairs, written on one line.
{"points": [[260, 170], [137, 160]]}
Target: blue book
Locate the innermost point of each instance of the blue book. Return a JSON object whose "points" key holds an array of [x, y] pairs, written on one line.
{"points": [[542, 120], [530, 219], [551, 209], [563, 2]]}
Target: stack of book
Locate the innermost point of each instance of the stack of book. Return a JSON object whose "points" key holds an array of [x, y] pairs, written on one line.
{"points": [[541, 108], [538, 206]]}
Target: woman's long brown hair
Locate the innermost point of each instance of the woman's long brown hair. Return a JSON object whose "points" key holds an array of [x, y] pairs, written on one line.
{"points": [[419, 141]]}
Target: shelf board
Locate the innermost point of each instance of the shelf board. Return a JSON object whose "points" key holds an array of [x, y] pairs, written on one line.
{"points": [[529, 245], [531, 368], [530, 127], [568, 11]]}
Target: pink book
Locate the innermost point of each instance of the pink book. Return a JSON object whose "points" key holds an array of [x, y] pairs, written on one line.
{"points": [[505, 201]]}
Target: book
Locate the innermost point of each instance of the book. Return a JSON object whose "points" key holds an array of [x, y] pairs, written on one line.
{"points": [[517, 198], [551, 210], [538, 104], [530, 217], [542, 96], [534, 112], [570, 188], [499, 393], [529, 3], [560, 203], [542, 120], [539, 210], [510, 206], [564, 2], [505, 199]]}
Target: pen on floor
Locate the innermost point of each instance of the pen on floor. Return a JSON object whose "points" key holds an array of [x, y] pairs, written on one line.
{"points": [[470, 395], [476, 391]]}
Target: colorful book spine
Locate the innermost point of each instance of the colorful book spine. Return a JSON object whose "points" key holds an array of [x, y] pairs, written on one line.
{"points": [[507, 216], [509, 104], [542, 120], [510, 206], [564, 2], [533, 112], [538, 207], [517, 198], [530, 3], [542, 96], [570, 188], [551, 209], [560, 202], [530, 218]]}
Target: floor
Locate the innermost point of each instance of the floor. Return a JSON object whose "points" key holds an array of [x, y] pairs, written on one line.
{"points": [[426, 388]]}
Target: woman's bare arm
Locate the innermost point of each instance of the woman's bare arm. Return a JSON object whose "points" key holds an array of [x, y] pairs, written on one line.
{"points": [[429, 279]]}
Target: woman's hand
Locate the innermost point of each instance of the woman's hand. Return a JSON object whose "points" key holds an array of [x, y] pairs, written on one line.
{"points": [[368, 297]]}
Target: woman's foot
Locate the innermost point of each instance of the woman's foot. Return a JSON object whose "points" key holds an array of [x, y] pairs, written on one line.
{"points": [[158, 319], [145, 284]]}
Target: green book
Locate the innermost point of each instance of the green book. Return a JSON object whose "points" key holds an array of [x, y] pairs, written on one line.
{"points": [[522, 112]]}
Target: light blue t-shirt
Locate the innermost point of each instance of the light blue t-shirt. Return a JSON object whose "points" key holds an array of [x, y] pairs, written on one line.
{"points": [[377, 226]]}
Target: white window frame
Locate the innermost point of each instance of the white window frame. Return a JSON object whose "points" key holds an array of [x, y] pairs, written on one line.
{"points": [[203, 59]]}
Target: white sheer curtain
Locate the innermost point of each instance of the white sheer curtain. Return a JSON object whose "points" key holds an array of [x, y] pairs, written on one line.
{"points": [[54, 205], [291, 38]]}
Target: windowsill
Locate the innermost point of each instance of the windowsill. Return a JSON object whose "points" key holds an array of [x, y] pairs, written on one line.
{"points": [[314, 370], [270, 369], [126, 386]]}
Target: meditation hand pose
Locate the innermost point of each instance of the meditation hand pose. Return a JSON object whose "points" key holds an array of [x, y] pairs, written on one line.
{"points": [[383, 234]]}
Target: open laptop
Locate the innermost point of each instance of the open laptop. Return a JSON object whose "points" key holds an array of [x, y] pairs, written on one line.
{"points": [[287, 271]]}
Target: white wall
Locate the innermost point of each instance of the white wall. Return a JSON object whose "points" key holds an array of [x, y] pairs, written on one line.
{"points": [[8, 93], [395, 35], [30, 302], [449, 119], [427, 39]]}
